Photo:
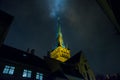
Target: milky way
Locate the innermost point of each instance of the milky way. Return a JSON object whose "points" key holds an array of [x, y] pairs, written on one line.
{"points": [[56, 7]]}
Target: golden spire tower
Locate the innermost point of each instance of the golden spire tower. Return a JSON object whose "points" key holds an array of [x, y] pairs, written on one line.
{"points": [[60, 53]]}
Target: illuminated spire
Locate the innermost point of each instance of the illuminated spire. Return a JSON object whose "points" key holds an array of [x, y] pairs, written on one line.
{"points": [[60, 53], [59, 36]]}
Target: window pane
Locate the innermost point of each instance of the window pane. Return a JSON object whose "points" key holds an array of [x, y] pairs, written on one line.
{"points": [[41, 76], [25, 73], [37, 76], [29, 71], [37, 73], [29, 74], [7, 67], [11, 71], [12, 67], [5, 70]]}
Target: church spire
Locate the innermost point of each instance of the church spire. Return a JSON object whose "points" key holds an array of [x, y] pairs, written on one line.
{"points": [[60, 53], [59, 35]]}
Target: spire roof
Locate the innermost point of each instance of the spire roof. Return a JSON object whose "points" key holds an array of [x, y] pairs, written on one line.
{"points": [[59, 35]]}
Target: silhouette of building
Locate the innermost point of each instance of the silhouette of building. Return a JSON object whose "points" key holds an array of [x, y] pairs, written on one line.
{"points": [[111, 8], [57, 65], [5, 21]]}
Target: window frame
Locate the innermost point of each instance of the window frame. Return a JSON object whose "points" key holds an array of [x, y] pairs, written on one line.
{"points": [[27, 73], [8, 70], [39, 76]]}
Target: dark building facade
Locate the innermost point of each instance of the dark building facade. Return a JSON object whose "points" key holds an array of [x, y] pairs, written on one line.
{"points": [[5, 21]]}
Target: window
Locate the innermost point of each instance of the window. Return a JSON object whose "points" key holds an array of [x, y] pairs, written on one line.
{"points": [[39, 76], [8, 70], [27, 73]]}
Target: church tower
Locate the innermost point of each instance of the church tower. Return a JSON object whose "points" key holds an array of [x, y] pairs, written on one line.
{"points": [[61, 52]]}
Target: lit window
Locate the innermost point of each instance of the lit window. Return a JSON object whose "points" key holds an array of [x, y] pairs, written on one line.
{"points": [[39, 76], [8, 70], [27, 73]]}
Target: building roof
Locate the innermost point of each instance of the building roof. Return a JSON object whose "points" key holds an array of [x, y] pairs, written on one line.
{"points": [[19, 56], [74, 59], [71, 70]]}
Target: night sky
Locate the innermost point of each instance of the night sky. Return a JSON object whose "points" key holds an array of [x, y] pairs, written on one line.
{"points": [[84, 26]]}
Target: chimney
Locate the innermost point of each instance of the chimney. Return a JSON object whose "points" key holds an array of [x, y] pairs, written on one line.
{"points": [[28, 50], [32, 51]]}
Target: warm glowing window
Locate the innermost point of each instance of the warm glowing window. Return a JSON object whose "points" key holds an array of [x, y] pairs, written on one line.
{"points": [[39, 76], [8, 70], [27, 73]]}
